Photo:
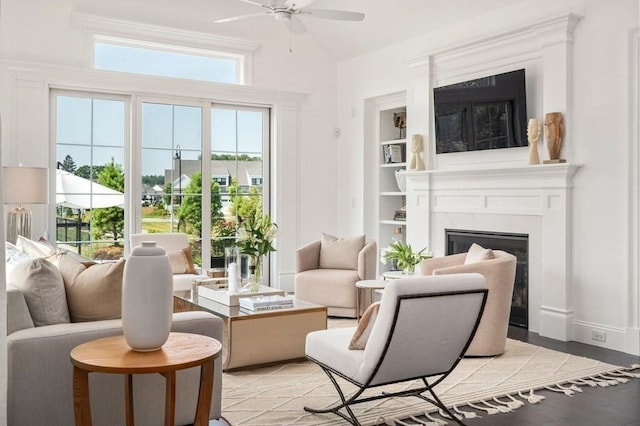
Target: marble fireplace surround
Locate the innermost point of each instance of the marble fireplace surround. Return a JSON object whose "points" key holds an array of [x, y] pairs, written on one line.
{"points": [[532, 200]]}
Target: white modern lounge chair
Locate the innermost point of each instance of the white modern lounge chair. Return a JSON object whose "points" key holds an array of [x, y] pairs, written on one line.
{"points": [[422, 330]]}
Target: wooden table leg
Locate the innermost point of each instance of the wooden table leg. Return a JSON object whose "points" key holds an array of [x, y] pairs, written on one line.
{"points": [[205, 394], [170, 398], [81, 399], [128, 399]]}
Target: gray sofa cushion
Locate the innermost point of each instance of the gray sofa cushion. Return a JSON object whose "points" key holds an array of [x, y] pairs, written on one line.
{"points": [[43, 290]]}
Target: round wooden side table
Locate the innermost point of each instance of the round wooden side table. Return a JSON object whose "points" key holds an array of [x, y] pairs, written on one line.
{"points": [[113, 355]]}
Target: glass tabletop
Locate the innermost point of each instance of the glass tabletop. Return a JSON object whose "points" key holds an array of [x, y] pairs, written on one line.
{"points": [[225, 311]]}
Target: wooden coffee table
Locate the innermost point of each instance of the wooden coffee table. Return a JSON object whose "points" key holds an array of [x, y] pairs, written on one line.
{"points": [[113, 355], [257, 338]]}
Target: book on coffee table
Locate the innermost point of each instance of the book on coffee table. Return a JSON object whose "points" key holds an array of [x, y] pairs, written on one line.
{"points": [[265, 303]]}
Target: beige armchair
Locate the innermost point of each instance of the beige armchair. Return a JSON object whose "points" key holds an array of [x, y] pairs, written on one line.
{"points": [[177, 247], [327, 271], [499, 272]]}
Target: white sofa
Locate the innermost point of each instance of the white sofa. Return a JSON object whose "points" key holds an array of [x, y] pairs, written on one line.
{"points": [[40, 372]]}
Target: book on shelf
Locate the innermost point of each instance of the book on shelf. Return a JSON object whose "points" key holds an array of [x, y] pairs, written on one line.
{"points": [[400, 215], [392, 153], [265, 303]]}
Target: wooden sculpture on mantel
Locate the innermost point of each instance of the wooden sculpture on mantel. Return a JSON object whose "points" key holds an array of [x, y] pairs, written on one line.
{"points": [[554, 132], [533, 135]]}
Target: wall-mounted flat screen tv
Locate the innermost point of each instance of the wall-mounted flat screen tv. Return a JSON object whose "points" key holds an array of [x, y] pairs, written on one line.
{"points": [[485, 113]]}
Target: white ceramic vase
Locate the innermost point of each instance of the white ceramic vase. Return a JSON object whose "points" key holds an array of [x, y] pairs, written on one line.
{"points": [[147, 298], [401, 180]]}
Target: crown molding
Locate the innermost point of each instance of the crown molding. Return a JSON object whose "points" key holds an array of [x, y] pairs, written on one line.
{"points": [[111, 27]]}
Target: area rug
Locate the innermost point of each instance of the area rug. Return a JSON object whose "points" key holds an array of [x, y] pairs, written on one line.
{"points": [[276, 395]]}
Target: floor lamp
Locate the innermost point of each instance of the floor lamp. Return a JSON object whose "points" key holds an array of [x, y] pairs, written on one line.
{"points": [[23, 185]]}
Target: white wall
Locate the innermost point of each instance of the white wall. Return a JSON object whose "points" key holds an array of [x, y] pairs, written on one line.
{"points": [[600, 134]]}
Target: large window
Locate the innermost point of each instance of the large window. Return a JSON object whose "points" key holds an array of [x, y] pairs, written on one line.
{"points": [[90, 140], [167, 148]]}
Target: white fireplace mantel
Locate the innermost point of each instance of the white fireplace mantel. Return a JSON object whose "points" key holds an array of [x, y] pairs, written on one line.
{"points": [[532, 200]]}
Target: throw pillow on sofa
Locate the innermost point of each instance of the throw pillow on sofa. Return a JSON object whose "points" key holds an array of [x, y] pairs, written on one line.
{"points": [[181, 261], [94, 290], [36, 248], [340, 253], [43, 288]]}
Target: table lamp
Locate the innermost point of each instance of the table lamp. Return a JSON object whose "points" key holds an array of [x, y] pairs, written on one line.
{"points": [[23, 185]]}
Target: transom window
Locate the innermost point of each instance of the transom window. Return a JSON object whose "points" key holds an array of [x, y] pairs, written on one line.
{"points": [[167, 61]]}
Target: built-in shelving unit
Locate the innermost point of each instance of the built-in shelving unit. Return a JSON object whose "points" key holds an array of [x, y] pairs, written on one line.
{"points": [[382, 195], [391, 199]]}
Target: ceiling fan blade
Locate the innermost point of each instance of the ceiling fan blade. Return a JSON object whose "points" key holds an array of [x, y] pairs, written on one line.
{"points": [[241, 17], [269, 4], [261, 3], [340, 15], [295, 25]]}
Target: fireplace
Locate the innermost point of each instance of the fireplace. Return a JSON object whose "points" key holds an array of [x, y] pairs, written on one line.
{"points": [[459, 241]]}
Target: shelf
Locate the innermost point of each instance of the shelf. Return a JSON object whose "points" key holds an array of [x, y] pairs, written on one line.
{"points": [[394, 141], [392, 194], [393, 222], [392, 165]]}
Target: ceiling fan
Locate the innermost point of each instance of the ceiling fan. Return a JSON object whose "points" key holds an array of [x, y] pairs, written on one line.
{"points": [[285, 11]]}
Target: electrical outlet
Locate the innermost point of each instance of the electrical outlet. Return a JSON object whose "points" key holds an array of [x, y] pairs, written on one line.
{"points": [[599, 335]]}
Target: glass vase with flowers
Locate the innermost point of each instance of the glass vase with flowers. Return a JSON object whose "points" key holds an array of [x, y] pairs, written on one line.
{"points": [[255, 237]]}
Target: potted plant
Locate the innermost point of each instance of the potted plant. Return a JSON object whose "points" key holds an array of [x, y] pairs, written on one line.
{"points": [[404, 255]]}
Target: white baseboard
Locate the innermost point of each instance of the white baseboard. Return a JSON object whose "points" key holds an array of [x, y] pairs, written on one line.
{"points": [[615, 338]]}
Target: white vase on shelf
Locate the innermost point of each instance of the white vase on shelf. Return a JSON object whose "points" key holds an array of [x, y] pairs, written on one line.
{"points": [[147, 298], [401, 179]]}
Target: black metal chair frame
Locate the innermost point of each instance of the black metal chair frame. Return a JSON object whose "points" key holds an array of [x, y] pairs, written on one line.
{"points": [[417, 392]]}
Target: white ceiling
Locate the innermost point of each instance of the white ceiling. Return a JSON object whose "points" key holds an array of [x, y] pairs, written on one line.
{"points": [[385, 23]]}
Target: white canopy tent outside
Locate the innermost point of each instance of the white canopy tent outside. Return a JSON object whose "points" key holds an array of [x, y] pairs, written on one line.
{"points": [[77, 192]]}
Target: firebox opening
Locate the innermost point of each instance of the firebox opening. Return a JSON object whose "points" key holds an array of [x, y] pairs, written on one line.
{"points": [[459, 241]]}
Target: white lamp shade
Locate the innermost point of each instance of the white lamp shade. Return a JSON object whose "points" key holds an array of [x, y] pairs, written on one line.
{"points": [[26, 185]]}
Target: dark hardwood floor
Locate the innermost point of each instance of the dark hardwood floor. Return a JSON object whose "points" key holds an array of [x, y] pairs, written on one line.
{"points": [[612, 406]]}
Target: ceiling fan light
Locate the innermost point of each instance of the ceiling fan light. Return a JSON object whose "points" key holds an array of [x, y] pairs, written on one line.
{"points": [[282, 15]]}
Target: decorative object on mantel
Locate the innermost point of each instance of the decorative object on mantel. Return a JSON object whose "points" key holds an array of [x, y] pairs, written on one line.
{"points": [[400, 122], [417, 163], [255, 238], [404, 255], [147, 298], [401, 180], [554, 132], [533, 135]]}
